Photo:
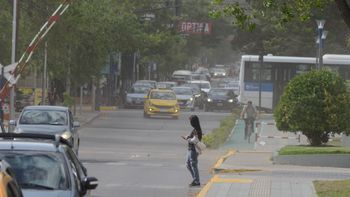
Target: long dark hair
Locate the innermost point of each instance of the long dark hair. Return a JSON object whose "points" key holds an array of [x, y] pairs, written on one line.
{"points": [[194, 120]]}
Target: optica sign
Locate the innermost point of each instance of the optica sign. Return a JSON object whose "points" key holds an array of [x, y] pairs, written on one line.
{"points": [[191, 27]]}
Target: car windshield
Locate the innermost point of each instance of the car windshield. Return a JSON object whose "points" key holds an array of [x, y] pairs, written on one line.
{"points": [[183, 91], [140, 89], [218, 92], [50, 117], [38, 170], [163, 95]]}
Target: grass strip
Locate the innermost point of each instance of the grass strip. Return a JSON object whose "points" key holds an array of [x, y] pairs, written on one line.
{"points": [[339, 188], [219, 135], [304, 149]]}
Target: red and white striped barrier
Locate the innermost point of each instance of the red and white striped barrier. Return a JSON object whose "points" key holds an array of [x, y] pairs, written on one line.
{"points": [[14, 71]]}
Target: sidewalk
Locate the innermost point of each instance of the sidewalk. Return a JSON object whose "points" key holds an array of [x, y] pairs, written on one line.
{"points": [[248, 170], [86, 115]]}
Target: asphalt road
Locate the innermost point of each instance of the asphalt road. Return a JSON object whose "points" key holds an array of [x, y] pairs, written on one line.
{"points": [[134, 156]]}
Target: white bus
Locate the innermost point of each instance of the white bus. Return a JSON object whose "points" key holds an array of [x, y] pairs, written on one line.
{"points": [[277, 71]]}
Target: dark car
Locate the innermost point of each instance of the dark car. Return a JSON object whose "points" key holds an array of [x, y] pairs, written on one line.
{"points": [[8, 184], [220, 98], [48, 120], [45, 165]]}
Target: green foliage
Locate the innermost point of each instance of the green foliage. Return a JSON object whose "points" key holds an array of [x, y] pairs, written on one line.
{"points": [[219, 135], [303, 150], [315, 103], [244, 15], [337, 188], [68, 101]]}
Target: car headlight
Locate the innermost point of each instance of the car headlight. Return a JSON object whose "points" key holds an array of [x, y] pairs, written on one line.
{"points": [[209, 100], [224, 74], [67, 135], [191, 99], [215, 74], [230, 100]]}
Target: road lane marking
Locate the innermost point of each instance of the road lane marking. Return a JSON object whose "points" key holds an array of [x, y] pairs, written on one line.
{"points": [[217, 179]]}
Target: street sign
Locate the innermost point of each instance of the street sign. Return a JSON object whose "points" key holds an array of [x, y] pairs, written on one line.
{"points": [[193, 27]]}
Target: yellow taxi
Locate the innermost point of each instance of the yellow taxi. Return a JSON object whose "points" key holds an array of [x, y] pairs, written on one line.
{"points": [[8, 184], [161, 102]]}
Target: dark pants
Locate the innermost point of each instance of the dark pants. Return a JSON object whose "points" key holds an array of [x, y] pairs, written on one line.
{"points": [[192, 165], [250, 122]]}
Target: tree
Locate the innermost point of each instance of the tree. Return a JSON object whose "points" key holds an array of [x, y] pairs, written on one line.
{"points": [[245, 14], [315, 103]]}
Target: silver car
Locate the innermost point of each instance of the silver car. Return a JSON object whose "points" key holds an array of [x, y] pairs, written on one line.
{"points": [[48, 120]]}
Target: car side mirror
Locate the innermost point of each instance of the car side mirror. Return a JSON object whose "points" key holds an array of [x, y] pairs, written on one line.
{"points": [[90, 183], [12, 123], [76, 124]]}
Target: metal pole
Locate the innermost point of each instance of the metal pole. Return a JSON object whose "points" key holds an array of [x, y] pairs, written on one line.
{"points": [[81, 100], [261, 58], [319, 47], [321, 53], [43, 93], [13, 57]]}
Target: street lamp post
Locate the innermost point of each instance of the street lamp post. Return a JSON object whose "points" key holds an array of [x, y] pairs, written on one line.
{"points": [[321, 36]]}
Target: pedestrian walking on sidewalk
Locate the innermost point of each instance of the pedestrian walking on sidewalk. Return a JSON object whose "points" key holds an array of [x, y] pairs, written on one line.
{"points": [[192, 156], [249, 115]]}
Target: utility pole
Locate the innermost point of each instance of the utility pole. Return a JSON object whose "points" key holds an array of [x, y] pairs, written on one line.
{"points": [[261, 60], [13, 56], [44, 85]]}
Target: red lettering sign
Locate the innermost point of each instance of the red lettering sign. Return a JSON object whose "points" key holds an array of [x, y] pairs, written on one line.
{"points": [[191, 27]]}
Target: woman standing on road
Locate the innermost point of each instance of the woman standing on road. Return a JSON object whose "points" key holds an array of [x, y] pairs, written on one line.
{"points": [[192, 157]]}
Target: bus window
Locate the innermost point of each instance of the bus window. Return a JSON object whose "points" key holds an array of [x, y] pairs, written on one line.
{"points": [[253, 71]]}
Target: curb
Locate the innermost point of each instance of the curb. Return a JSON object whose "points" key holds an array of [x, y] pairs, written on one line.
{"points": [[91, 119], [218, 163]]}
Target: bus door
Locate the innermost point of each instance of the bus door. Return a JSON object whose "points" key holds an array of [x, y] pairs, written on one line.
{"points": [[282, 75]]}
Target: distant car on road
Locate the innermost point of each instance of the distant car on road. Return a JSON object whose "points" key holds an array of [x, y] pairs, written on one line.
{"points": [[45, 165], [220, 98], [166, 84], [136, 96], [218, 72], [185, 97], [150, 83], [202, 84], [48, 120], [161, 102]]}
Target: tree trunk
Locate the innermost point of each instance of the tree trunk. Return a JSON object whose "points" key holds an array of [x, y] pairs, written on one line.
{"points": [[344, 9]]}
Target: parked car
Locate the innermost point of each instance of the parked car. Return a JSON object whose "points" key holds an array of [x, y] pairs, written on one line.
{"points": [[48, 120], [161, 102], [185, 97], [8, 183], [45, 165], [136, 96], [220, 98]]}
